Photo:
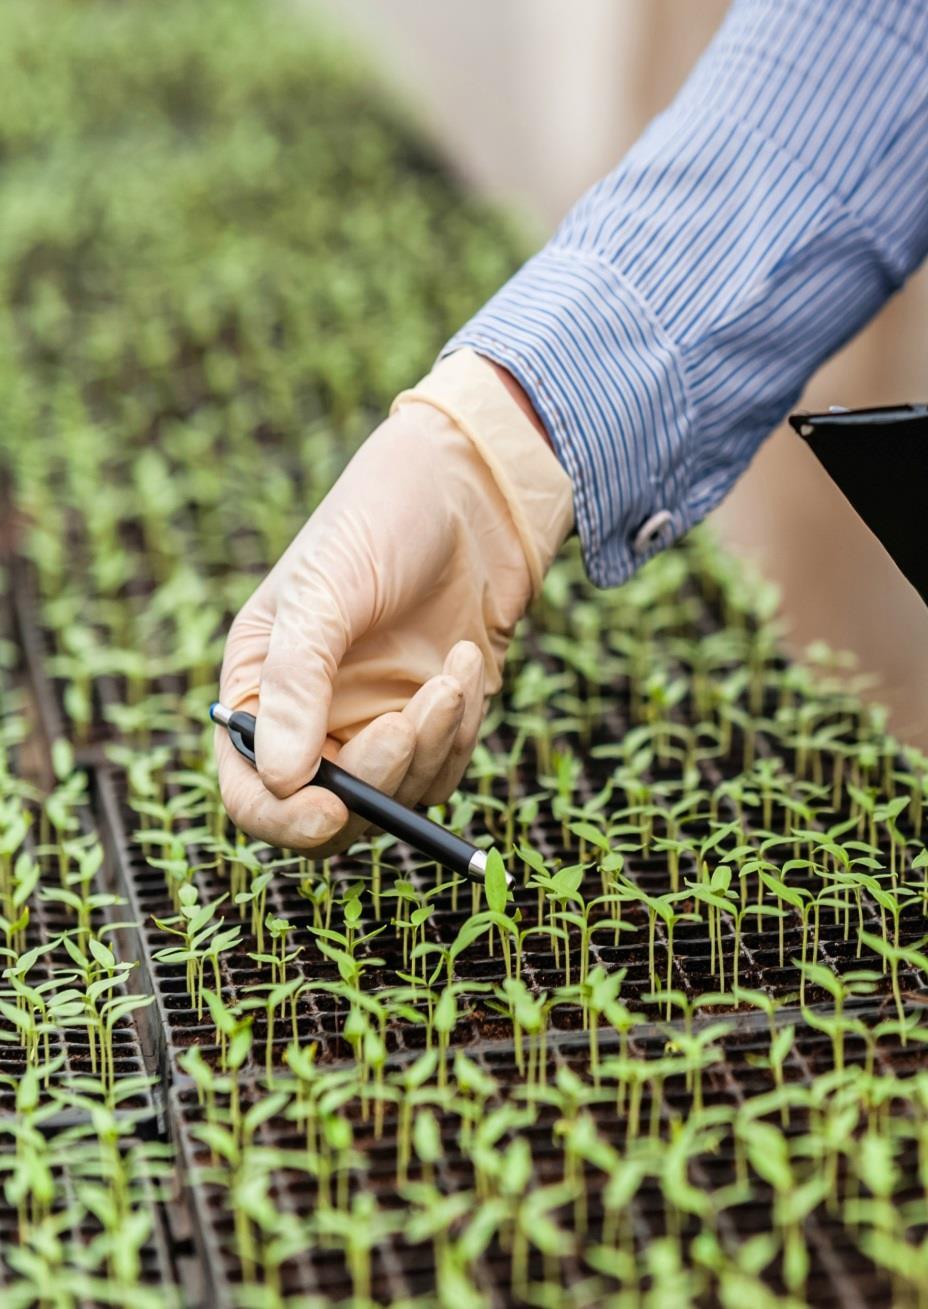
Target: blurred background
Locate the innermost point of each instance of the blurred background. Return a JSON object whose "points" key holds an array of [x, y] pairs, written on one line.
{"points": [[532, 101]]}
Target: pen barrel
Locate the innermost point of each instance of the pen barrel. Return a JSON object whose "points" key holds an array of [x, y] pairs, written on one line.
{"points": [[367, 802], [415, 829]]}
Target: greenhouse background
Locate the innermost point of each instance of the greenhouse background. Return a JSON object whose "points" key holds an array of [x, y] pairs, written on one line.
{"points": [[681, 1059]]}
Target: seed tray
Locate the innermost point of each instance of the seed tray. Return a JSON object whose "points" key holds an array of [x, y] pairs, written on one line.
{"points": [[36, 647], [703, 616], [139, 1118], [156, 1255], [174, 1023], [840, 1274], [48, 919], [153, 1023], [108, 691]]}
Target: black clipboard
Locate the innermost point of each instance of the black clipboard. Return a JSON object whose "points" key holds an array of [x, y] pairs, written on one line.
{"points": [[879, 459]]}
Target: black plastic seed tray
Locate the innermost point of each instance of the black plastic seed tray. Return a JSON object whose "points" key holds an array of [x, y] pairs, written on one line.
{"points": [[154, 1022], [840, 1274], [157, 1253], [69, 1134], [172, 1024], [48, 920], [763, 964], [47, 692], [107, 690]]}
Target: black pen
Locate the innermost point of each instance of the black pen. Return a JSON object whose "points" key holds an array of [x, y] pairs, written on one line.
{"points": [[365, 800]]}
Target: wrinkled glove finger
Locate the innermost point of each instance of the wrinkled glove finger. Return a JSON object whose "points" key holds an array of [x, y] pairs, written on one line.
{"points": [[435, 713], [380, 754], [465, 664], [306, 644]]}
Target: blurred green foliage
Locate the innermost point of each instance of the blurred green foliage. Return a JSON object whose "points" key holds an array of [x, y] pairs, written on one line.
{"points": [[222, 251], [211, 199]]}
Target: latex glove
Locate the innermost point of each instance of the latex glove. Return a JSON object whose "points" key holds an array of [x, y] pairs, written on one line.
{"points": [[377, 637]]}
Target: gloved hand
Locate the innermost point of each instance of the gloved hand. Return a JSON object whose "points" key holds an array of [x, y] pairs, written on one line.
{"points": [[377, 637]]}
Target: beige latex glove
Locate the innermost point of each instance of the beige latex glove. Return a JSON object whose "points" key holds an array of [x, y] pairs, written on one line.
{"points": [[377, 637]]}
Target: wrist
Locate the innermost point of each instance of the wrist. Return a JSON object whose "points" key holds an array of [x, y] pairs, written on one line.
{"points": [[471, 392], [520, 398]]}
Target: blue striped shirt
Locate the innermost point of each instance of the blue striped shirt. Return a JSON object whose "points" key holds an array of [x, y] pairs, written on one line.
{"points": [[757, 224]]}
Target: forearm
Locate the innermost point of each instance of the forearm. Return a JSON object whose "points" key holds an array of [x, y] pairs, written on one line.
{"points": [[757, 224]]}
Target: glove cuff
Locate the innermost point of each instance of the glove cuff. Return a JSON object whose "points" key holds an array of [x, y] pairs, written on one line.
{"points": [[467, 390]]}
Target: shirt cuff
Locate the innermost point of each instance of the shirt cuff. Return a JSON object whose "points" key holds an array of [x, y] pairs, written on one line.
{"points": [[599, 372]]}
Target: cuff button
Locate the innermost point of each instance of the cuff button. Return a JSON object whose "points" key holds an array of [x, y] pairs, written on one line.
{"points": [[651, 530]]}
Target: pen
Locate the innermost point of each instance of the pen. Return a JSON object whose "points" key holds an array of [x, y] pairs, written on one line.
{"points": [[365, 800]]}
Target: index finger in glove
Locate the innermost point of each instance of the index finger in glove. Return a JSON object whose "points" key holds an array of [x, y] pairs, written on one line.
{"points": [[301, 821], [379, 754], [313, 820], [306, 644]]}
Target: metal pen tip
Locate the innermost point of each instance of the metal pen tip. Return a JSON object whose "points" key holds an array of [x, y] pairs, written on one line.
{"points": [[478, 863], [220, 714], [478, 866]]}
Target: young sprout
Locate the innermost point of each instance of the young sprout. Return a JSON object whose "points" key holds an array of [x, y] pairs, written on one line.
{"points": [[203, 937]]}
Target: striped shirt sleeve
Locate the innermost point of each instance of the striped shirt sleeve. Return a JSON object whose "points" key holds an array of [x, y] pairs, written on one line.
{"points": [[759, 222]]}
